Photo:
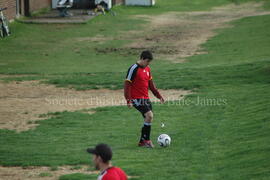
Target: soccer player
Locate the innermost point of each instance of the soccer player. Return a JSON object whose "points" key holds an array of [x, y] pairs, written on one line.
{"points": [[102, 154], [137, 83]]}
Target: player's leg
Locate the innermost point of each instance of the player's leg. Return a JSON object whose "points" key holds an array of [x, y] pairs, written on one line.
{"points": [[146, 128], [148, 123], [148, 117], [144, 106]]}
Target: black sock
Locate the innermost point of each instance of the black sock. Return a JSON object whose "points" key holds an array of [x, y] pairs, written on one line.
{"points": [[145, 133], [148, 131]]}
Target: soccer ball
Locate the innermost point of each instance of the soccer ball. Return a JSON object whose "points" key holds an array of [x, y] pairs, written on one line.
{"points": [[164, 140]]}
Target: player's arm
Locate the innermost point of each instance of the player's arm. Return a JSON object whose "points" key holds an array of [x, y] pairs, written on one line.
{"points": [[127, 94], [127, 84], [154, 90]]}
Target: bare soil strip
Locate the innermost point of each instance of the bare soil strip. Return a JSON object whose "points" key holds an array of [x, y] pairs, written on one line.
{"points": [[175, 36], [38, 173], [43, 172], [22, 103]]}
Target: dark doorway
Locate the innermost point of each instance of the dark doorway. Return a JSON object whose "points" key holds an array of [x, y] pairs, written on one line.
{"points": [[83, 4], [26, 8]]}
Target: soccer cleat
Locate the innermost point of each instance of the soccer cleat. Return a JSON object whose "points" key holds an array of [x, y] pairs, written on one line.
{"points": [[141, 143], [146, 143]]}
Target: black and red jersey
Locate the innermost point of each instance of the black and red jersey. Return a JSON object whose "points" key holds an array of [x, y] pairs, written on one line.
{"points": [[139, 77]]}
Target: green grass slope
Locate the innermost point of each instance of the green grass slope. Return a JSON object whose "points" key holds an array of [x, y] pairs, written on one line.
{"points": [[220, 132], [58, 49]]}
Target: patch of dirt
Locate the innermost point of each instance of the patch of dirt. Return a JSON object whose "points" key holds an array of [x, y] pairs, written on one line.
{"points": [[23, 103], [3, 76], [43, 172], [175, 36], [97, 38], [136, 50]]}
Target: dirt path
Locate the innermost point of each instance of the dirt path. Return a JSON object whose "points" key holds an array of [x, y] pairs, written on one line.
{"points": [[41, 173], [184, 32], [175, 36], [44, 173], [23, 102]]}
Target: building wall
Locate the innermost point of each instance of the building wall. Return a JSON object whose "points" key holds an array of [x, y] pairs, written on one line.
{"points": [[36, 5], [115, 2], [119, 1], [140, 2], [10, 13]]}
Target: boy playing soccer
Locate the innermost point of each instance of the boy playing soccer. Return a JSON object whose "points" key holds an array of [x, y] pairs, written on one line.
{"points": [[137, 83]]}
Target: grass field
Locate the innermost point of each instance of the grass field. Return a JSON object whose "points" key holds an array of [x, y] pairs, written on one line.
{"points": [[221, 131]]}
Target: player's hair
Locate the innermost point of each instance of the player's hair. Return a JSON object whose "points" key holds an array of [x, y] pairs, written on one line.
{"points": [[146, 55]]}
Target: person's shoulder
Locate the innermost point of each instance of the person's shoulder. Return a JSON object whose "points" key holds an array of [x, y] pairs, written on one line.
{"points": [[121, 172], [111, 174], [114, 169], [117, 169], [134, 65], [114, 173]]}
